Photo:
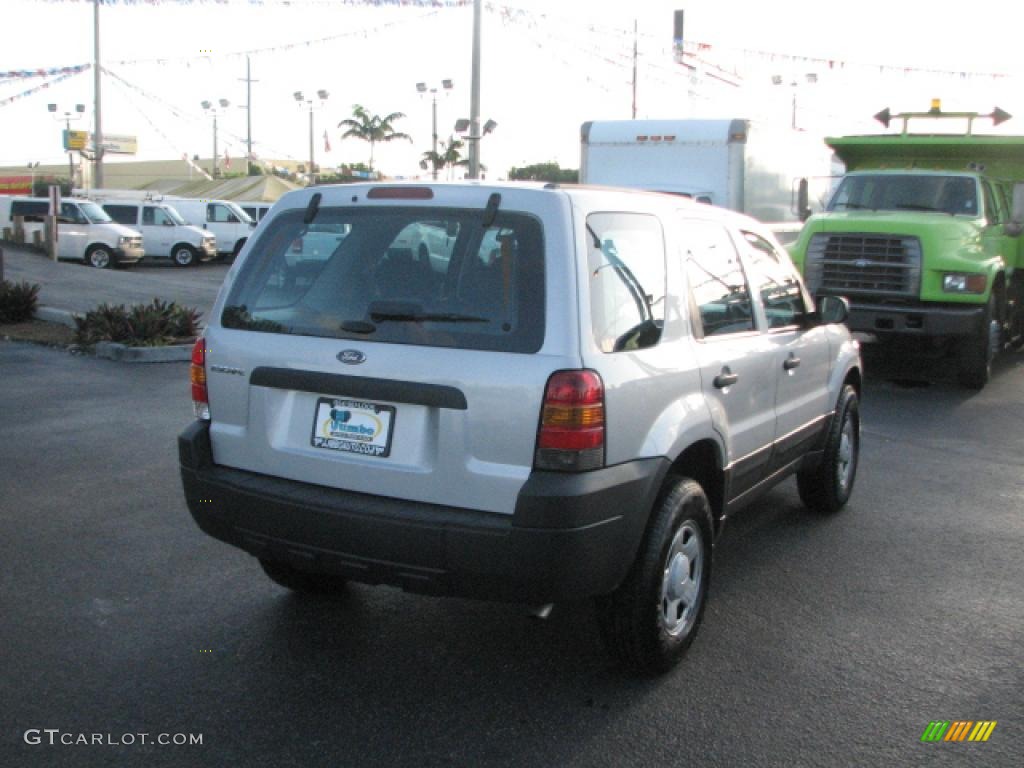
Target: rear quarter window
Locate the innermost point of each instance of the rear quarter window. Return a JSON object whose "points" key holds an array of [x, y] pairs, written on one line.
{"points": [[423, 276]]}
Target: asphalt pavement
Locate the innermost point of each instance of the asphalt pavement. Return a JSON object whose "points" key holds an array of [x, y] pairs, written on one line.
{"points": [[74, 287], [826, 642]]}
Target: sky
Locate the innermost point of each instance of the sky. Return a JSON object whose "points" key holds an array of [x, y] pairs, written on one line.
{"points": [[547, 66]]}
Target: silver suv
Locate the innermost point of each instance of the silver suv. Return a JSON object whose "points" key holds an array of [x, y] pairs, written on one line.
{"points": [[570, 404]]}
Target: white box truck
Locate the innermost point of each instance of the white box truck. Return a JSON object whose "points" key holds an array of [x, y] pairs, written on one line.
{"points": [[743, 165]]}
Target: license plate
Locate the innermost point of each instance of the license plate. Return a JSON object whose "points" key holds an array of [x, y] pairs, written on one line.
{"points": [[353, 426]]}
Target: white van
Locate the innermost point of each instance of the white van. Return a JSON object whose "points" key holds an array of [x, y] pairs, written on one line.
{"points": [[256, 209], [224, 218], [84, 230], [164, 232]]}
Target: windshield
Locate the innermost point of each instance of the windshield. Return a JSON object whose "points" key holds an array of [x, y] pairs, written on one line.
{"points": [[243, 217], [173, 215], [404, 275], [94, 213], [953, 195]]}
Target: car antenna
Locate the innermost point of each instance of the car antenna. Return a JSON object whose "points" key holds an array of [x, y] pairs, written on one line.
{"points": [[491, 211], [312, 209]]}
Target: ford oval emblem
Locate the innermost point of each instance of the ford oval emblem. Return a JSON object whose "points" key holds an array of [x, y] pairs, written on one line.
{"points": [[351, 357]]}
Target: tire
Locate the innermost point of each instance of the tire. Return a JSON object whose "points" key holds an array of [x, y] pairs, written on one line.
{"points": [[184, 255], [977, 351], [302, 581], [100, 256], [826, 487], [652, 618]]}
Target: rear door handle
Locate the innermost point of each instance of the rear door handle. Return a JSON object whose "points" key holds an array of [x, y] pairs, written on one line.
{"points": [[791, 362], [726, 378]]}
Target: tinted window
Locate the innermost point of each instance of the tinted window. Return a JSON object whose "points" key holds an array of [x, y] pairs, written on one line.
{"points": [[361, 273], [122, 214], [992, 211], [32, 210], [626, 256], [220, 214], [71, 213], [158, 217], [775, 282], [718, 284], [955, 195]]}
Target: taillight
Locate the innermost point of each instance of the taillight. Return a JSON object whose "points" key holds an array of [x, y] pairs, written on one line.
{"points": [[571, 433], [197, 373]]}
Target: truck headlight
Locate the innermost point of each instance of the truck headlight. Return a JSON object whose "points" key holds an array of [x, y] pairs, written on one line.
{"points": [[124, 242], [955, 282]]}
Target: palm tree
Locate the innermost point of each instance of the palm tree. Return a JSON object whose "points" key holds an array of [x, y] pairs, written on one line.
{"points": [[448, 157], [371, 128]]}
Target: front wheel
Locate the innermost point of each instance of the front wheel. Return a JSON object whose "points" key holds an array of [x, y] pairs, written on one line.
{"points": [[826, 487], [653, 617], [184, 255], [99, 256], [976, 353]]}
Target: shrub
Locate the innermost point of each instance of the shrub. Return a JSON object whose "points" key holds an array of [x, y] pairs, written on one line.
{"points": [[18, 301], [141, 325]]}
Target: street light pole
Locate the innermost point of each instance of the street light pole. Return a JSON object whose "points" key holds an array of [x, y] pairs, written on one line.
{"points": [[474, 98], [98, 136], [322, 95], [422, 88], [66, 117], [209, 107]]}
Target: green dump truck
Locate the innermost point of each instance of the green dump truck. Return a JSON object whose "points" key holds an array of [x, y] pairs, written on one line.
{"points": [[923, 236]]}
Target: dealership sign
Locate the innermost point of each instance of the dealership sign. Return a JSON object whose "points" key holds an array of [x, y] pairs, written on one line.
{"points": [[112, 144]]}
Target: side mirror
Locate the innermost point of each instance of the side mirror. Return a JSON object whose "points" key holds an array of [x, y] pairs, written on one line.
{"points": [[833, 309], [1015, 226], [803, 200]]}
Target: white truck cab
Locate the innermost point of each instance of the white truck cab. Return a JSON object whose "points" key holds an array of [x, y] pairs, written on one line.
{"points": [[164, 232], [84, 230], [224, 218]]}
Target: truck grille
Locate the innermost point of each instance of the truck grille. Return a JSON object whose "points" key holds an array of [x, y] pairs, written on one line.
{"points": [[866, 264]]}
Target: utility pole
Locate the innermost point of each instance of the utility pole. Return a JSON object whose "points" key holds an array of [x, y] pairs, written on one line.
{"points": [[474, 98], [634, 67], [98, 136], [248, 114]]}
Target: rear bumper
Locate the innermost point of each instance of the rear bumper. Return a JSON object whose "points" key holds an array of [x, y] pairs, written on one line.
{"points": [[919, 319], [571, 536]]}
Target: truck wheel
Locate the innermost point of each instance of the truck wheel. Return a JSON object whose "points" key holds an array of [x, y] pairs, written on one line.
{"points": [[653, 617], [826, 487], [302, 581], [184, 255], [976, 353], [99, 256]]}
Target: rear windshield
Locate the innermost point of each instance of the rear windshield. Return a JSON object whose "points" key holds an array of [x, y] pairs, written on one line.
{"points": [[425, 276]]}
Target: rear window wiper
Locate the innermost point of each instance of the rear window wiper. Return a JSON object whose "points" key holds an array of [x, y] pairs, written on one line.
{"points": [[426, 317]]}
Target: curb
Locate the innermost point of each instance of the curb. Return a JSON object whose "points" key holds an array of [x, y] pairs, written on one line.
{"points": [[176, 353], [54, 315], [109, 350]]}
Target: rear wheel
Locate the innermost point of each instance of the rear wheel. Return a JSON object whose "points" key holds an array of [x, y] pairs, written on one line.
{"points": [[827, 487], [302, 581], [100, 256], [184, 255], [653, 617], [977, 351]]}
